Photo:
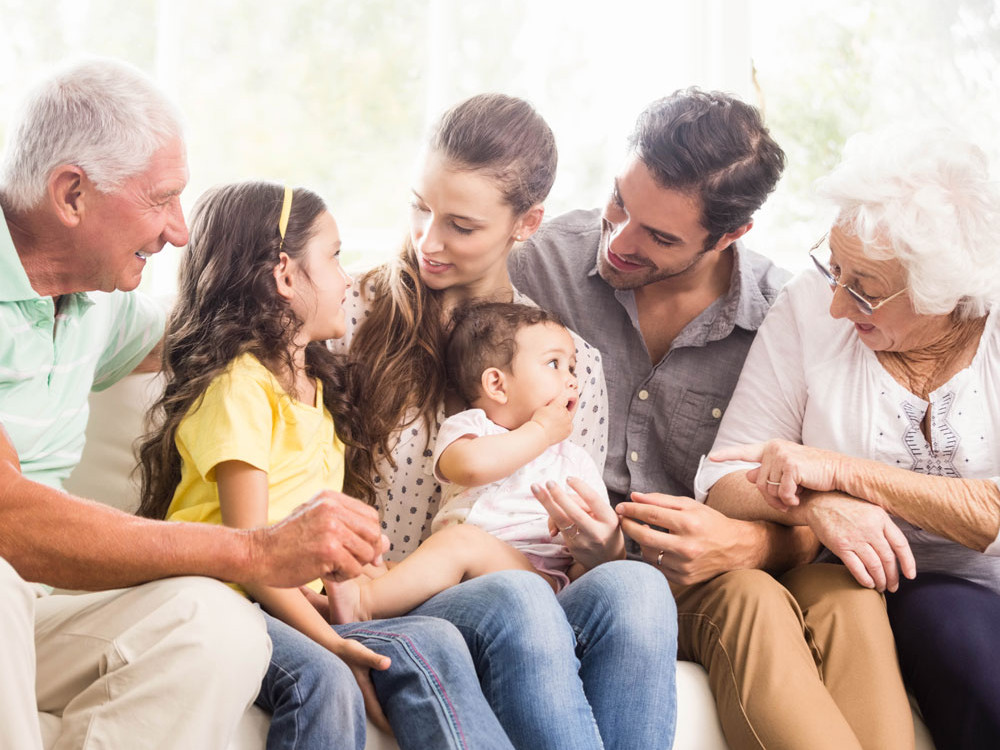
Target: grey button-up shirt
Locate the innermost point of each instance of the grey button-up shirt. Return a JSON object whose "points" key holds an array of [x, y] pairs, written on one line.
{"points": [[664, 416]]}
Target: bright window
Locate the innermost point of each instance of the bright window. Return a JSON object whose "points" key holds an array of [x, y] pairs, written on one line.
{"points": [[335, 95]]}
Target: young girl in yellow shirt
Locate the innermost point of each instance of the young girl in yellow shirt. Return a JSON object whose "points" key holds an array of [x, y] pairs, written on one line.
{"points": [[253, 422]]}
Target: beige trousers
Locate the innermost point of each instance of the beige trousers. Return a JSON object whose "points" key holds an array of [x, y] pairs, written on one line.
{"points": [[803, 661], [169, 664]]}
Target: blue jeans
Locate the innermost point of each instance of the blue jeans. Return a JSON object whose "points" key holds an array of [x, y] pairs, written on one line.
{"points": [[593, 667], [430, 693]]}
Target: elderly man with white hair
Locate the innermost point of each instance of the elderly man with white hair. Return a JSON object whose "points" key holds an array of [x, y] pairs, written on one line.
{"points": [[873, 417], [89, 190]]}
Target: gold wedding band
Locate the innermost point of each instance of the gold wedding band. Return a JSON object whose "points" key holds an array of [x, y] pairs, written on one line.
{"points": [[659, 559], [773, 484]]}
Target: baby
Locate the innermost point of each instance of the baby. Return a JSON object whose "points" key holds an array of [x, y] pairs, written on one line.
{"points": [[514, 365]]}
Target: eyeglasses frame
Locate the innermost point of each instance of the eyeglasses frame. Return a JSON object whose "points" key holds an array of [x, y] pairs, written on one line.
{"points": [[866, 307]]}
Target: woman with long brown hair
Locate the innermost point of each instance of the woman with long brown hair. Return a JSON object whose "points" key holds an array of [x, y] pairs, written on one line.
{"points": [[558, 670]]}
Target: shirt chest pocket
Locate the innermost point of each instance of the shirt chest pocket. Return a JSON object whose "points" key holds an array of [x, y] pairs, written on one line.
{"points": [[692, 428]]}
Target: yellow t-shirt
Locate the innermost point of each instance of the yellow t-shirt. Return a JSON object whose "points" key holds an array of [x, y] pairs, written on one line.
{"points": [[246, 416]]}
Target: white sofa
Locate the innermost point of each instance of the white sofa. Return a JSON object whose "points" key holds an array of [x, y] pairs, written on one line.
{"points": [[104, 474]]}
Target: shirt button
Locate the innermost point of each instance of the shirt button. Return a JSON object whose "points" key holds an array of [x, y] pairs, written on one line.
{"points": [[643, 395], [717, 412], [634, 456]]}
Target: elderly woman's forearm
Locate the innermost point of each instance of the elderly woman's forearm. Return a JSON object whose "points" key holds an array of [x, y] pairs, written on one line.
{"points": [[966, 511]]}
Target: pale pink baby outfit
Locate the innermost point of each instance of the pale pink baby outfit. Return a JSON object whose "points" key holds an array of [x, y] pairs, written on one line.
{"points": [[506, 508]]}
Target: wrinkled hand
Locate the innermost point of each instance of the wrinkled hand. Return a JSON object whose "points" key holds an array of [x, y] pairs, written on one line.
{"points": [[588, 524], [331, 536], [556, 417], [689, 541], [785, 469], [864, 537]]}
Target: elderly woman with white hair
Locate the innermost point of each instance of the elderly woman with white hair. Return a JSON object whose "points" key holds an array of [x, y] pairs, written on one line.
{"points": [[873, 417]]}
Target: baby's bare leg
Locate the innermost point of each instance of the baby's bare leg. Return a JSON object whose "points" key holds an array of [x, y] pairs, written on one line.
{"points": [[448, 557]]}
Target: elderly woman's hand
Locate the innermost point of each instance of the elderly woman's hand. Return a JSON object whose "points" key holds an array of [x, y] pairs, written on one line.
{"points": [[588, 524], [864, 537], [786, 468]]}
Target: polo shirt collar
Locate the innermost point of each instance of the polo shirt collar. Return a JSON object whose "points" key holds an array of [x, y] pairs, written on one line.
{"points": [[14, 283]]}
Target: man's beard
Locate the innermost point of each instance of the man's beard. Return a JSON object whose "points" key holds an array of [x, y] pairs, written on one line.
{"points": [[650, 274]]}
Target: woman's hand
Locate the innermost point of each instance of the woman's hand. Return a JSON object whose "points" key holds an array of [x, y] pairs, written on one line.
{"points": [[864, 537], [588, 524], [361, 660], [786, 468]]}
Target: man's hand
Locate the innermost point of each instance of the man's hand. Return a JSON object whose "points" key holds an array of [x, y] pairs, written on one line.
{"points": [[689, 541], [332, 536], [864, 537], [8, 453]]}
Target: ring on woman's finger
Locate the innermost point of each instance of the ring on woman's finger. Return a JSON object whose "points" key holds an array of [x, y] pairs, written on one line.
{"points": [[773, 484], [567, 528], [659, 559]]}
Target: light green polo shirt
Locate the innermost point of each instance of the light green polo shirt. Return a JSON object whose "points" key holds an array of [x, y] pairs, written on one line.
{"points": [[50, 361]]}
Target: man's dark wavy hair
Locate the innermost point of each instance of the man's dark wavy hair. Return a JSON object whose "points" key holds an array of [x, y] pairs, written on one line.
{"points": [[714, 147]]}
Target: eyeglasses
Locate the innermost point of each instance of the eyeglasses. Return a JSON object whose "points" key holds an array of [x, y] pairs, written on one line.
{"points": [[866, 305]]}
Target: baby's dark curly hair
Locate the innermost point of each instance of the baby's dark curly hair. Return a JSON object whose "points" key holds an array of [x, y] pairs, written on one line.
{"points": [[483, 335]]}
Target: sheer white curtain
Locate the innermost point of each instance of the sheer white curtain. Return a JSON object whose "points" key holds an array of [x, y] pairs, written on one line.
{"points": [[336, 95]]}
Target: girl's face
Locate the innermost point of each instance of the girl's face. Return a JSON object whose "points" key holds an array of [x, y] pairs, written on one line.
{"points": [[463, 229], [319, 284]]}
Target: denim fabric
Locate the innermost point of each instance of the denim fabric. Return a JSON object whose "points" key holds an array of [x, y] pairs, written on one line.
{"points": [[430, 693], [625, 622], [311, 694], [594, 668]]}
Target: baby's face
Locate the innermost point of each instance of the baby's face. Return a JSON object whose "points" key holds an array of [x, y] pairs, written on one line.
{"points": [[543, 370]]}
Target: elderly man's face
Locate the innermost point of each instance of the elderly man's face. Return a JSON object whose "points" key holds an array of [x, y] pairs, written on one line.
{"points": [[128, 225]]}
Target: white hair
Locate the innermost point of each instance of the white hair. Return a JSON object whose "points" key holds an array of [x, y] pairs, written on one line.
{"points": [[923, 195], [104, 116]]}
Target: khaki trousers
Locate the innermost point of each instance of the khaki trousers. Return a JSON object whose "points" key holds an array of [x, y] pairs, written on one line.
{"points": [[169, 664], [804, 662]]}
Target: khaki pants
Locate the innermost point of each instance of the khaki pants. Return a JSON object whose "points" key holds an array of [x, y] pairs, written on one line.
{"points": [[169, 664], [805, 661]]}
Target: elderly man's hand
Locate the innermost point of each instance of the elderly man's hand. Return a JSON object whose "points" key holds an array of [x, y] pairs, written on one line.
{"points": [[8, 454], [332, 536]]}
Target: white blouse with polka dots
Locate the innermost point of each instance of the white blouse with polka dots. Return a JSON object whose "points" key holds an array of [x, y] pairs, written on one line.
{"points": [[408, 497]]}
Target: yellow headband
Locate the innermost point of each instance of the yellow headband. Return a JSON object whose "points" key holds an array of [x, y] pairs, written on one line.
{"points": [[286, 211]]}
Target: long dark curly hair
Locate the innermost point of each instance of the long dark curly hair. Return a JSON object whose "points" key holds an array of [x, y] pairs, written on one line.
{"points": [[228, 305]]}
